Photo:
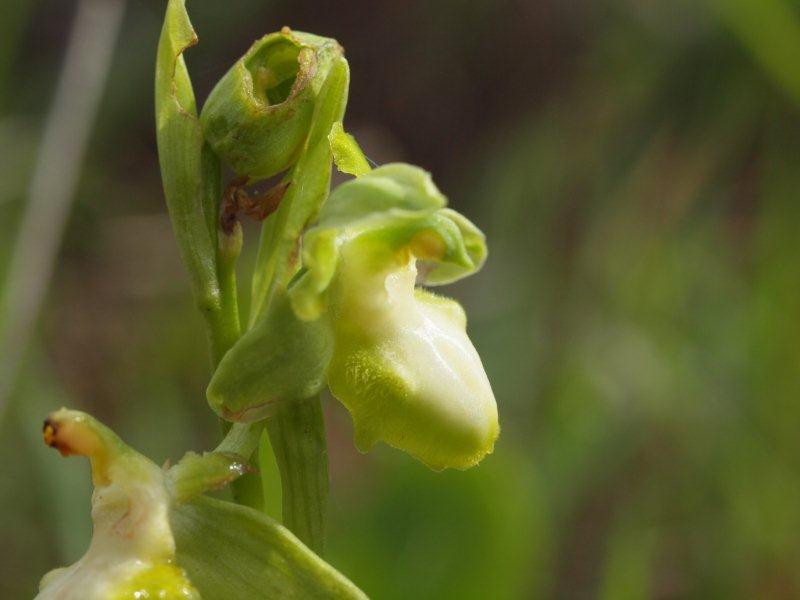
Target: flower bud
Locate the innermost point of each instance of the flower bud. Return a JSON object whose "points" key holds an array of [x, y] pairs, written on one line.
{"points": [[402, 362], [258, 115]]}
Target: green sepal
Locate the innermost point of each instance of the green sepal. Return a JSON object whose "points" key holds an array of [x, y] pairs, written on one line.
{"points": [[347, 154], [395, 186], [258, 115], [281, 359], [231, 551], [196, 473], [189, 173]]}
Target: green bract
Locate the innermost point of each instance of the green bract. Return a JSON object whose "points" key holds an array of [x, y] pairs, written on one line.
{"points": [[258, 115], [280, 359], [186, 169], [402, 362]]}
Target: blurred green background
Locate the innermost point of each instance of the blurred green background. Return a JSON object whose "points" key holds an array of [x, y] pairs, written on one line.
{"points": [[636, 167]]}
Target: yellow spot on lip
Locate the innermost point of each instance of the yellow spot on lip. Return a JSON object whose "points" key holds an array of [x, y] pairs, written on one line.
{"points": [[427, 245]]}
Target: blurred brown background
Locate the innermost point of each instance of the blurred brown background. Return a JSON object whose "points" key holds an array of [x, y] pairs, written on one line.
{"points": [[634, 164]]}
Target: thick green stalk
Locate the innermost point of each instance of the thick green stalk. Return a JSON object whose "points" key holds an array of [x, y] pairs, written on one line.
{"points": [[297, 435], [222, 328], [225, 327], [223, 323], [239, 438]]}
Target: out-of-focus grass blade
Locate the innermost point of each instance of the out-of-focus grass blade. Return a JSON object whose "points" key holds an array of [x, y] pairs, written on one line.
{"points": [[58, 166], [770, 29]]}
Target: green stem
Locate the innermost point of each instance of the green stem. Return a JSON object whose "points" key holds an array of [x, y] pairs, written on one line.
{"points": [[242, 438], [297, 435], [225, 330], [224, 325]]}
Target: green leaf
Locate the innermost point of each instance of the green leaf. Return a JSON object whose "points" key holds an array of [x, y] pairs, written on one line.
{"points": [[232, 551], [188, 176], [347, 153]]}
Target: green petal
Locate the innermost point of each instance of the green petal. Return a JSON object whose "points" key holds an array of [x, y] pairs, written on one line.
{"points": [[346, 152], [474, 242], [389, 187]]}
